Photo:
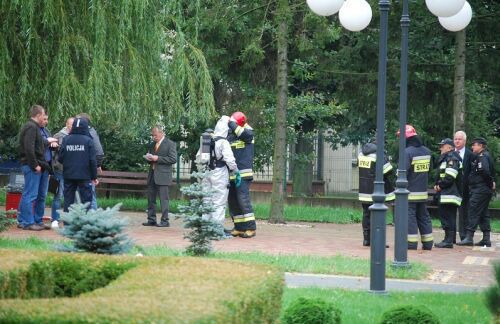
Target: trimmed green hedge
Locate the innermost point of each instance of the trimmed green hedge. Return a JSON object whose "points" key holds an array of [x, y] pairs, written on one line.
{"points": [[150, 289]]}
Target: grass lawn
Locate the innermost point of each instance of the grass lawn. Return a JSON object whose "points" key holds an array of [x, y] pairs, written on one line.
{"points": [[365, 307], [287, 263]]}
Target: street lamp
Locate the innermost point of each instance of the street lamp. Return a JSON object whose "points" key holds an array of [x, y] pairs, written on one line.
{"points": [[455, 16]]}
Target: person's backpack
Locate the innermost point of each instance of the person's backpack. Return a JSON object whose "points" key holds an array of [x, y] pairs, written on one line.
{"points": [[214, 163]]}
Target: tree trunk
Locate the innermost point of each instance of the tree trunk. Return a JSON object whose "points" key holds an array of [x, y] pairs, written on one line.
{"points": [[279, 157], [459, 83], [303, 166]]}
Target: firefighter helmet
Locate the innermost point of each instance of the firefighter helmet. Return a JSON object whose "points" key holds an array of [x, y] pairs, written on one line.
{"points": [[409, 131], [240, 118]]}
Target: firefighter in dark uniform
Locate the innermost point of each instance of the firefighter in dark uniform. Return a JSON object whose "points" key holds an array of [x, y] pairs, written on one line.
{"points": [[367, 160], [448, 185], [481, 186], [240, 207], [418, 160]]}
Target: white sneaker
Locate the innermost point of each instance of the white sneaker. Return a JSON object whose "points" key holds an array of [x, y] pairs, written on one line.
{"points": [[55, 224]]}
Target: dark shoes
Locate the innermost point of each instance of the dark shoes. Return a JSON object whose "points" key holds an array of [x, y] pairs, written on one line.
{"points": [[486, 241], [468, 240], [163, 224], [34, 227], [243, 234], [149, 224]]}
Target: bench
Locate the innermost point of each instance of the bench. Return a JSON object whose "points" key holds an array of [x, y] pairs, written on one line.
{"points": [[135, 182]]}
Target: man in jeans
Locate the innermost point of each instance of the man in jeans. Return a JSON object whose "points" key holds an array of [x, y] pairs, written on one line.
{"points": [[58, 174], [35, 168]]}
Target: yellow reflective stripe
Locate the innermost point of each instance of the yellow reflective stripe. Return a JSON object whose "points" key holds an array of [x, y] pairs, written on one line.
{"points": [[450, 199], [417, 159], [365, 197], [412, 238], [239, 130], [387, 167], [452, 172], [365, 161], [427, 237], [238, 144], [367, 157], [246, 174], [418, 196], [245, 219]]}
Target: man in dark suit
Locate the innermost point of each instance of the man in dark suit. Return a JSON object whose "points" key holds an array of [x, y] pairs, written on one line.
{"points": [[161, 155], [460, 139]]}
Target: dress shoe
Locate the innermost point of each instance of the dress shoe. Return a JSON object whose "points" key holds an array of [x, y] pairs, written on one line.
{"points": [[33, 227], [163, 224], [149, 224], [44, 226]]}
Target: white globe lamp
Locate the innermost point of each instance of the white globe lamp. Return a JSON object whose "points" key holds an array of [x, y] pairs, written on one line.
{"points": [[444, 8], [355, 15], [459, 21], [325, 7]]}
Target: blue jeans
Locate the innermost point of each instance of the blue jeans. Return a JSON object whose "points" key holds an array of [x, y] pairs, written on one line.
{"points": [[56, 203], [32, 204]]}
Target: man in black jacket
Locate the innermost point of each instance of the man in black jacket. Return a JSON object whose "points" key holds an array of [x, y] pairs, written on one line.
{"points": [[35, 169], [77, 155], [481, 187]]}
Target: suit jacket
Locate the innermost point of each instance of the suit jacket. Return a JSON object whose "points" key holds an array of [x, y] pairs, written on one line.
{"points": [[466, 171], [167, 156]]}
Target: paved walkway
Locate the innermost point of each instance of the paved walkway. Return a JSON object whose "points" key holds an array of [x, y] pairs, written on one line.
{"points": [[458, 266]]}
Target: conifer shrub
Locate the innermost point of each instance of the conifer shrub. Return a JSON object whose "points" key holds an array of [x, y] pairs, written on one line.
{"points": [[311, 311], [203, 231], [492, 295], [409, 314], [5, 221], [96, 231]]}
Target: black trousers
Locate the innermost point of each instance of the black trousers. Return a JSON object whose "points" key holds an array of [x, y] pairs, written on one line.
{"points": [[365, 222], [84, 188], [240, 206], [463, 215], [448, 217], [155, 190], [478, 212]]}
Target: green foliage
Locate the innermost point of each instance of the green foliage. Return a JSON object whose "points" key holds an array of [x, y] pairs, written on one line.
{"points": [[203, 231], [492, 294], [409, 314], [59, 277], [311, 311], [97, 231], [6, 220]]}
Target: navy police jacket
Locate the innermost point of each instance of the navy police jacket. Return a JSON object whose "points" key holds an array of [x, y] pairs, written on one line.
{"points": [[77, 153]]}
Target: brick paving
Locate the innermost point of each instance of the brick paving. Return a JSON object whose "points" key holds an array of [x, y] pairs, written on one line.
{"points": [[460, 265]]}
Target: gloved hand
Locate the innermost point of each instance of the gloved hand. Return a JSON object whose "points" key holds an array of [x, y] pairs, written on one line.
{"points": [[237, 179]]}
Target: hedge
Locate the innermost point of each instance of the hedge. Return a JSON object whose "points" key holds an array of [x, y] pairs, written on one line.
{"points": [[146, 289]]}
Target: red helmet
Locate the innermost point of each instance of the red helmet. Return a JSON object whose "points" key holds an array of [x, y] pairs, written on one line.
{"points": [[240, 118], [409, 131]]}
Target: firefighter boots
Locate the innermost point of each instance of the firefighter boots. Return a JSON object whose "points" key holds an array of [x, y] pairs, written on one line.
{"points": [[447, 241], [468, 240], [366, 238], [486, 241]]}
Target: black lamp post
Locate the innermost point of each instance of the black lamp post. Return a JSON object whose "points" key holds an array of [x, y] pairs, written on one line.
{"points": [[401, 211]]}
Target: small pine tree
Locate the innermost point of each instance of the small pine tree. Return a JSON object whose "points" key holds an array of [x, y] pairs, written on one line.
{"points": [[203, 232], [409, 314], [96, 231]]}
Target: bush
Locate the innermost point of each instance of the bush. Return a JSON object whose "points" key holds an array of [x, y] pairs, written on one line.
{"points": [[311, 311], [5, 221], [96, 231], [153, 290], [493, 294], [409, 314]]}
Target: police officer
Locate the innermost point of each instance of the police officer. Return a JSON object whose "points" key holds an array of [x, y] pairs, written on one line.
{"points": [[77, 155], [448, 185], [481, 186], [367, 160], [241, 138], [418, 159]]}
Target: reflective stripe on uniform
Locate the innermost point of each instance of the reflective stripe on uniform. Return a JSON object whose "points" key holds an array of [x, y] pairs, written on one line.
{"points": [[387, 167], [418, 196], [239, 130], [412, 238], [243, 174], [420, 158], [426, 237], [238, 144], [365, 161], [451, 172], [244, 218], [390, 196], [365, 197], [450, 199]]}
